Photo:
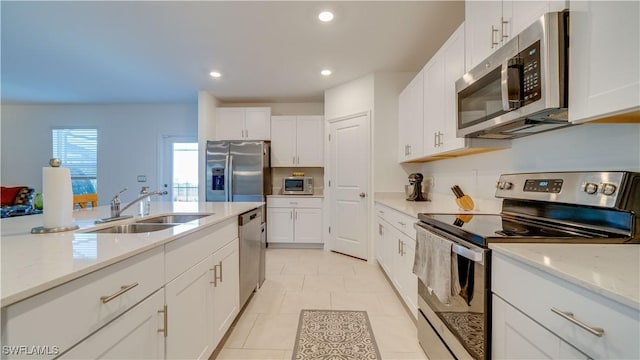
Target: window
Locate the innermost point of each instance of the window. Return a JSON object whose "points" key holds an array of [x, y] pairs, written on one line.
{"points": [[78, 151]]}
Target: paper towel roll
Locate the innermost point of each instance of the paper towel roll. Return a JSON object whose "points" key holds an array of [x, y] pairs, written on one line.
{"points": [[57, 197]]}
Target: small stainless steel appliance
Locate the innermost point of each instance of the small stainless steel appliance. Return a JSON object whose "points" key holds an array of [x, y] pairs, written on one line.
{"points": [[297, 185], [522, 88], [415, 182], [558, 207], [238, 170]]}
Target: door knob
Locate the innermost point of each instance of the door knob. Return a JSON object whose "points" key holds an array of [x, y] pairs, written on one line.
{"points": [[362, 195]]}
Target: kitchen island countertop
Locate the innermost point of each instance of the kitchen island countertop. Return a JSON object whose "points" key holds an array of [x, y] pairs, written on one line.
{"points": [[32, 263], [611, 270]]}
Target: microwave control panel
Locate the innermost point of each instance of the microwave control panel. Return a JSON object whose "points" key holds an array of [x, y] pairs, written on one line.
{"points": [[531, 88]]}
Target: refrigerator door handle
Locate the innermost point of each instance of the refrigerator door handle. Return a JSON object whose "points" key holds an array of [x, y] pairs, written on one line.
{"points": [[230, 188], [226, 178]]}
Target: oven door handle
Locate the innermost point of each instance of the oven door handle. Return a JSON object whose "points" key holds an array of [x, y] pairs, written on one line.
{"points": [[475, 256]]}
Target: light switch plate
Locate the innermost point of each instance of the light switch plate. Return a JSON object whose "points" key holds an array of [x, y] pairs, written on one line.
{"points": [[142, 178]]}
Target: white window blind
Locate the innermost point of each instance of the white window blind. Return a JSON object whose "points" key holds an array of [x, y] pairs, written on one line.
{"points": [[78, 151]]}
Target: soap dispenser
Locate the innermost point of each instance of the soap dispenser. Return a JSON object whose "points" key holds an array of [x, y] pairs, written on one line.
{"points": [[145, 204]]}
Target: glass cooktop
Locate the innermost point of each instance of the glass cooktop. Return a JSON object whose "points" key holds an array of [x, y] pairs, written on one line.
{"points": [[481, 229]]}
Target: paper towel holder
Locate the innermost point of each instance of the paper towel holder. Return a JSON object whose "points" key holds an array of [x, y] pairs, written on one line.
{"points": [[55, 162]]}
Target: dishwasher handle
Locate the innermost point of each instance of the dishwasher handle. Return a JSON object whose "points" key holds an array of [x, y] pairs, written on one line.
{"points": [[253, 215]]}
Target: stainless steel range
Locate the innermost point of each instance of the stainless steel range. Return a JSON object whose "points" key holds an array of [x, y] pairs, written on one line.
{"points": [[557, 207]]}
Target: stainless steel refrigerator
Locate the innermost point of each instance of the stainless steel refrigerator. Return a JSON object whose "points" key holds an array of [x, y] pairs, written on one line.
{"points": [[238, 170]]}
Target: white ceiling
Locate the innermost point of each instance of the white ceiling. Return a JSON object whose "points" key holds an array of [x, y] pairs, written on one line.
{"points": [[162, 51]]}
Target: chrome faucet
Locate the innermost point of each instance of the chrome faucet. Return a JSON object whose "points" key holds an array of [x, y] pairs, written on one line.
{"points": [[115, 205]]}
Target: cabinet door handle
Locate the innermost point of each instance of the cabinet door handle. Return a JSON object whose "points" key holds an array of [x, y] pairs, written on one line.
{"points": [[123, 289], [165, 313], [435, 139], [247, 133], [220, 267], [295, 215], [380, 229], [298, 160], [569, 316], [398, 246], [401, 248], [215, 276], [402, 224], [293, 160], [502, 24], [493, 31]]}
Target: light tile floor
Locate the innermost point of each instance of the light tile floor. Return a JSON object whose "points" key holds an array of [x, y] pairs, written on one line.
{"points": [[316, 279]]}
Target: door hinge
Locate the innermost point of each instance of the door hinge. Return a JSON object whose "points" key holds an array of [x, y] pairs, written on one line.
{"points": [[329, 229]]}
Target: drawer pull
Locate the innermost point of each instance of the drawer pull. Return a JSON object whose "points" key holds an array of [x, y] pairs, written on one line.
{"points": [[215, 275], [165, 313], [569, 316], [402, 224], [123, 289]]}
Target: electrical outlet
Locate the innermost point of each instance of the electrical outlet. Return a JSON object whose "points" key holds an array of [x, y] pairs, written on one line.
{"points": [[142, 178], [428, 181]]}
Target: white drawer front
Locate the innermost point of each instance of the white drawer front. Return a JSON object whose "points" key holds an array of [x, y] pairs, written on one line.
{"points": [[397, 219], [66, 314], [535, 293], [295, 202], [187, 251]]}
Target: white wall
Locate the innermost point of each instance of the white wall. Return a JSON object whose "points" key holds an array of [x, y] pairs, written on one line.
{"points": [[350, 98], [207, 104], [583, 147], [129, 141], [388, 175]]}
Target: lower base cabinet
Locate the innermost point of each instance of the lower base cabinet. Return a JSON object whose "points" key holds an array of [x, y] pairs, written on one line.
{"points": [[202, 303], [294, 220], [516, 336], [137, 334], [395, 252]]}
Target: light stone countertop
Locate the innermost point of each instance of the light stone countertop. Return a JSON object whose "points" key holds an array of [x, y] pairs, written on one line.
{"points": [[611, 270], [32, 263], [439, 204]]}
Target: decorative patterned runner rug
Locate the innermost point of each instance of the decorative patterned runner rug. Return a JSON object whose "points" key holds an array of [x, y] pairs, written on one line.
{"points": [[335, 335]]}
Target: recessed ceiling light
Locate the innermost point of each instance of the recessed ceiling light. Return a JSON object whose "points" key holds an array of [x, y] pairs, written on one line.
{"points": [[325, 16], [325, 72], [215, 74]]}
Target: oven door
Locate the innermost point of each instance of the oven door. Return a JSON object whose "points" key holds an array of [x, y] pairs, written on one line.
{"points": [[463, 325]]}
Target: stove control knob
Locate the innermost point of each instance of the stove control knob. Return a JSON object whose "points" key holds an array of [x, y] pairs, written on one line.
{"points": [[590, 188], [500, 185], [508, 185], [608, 189]]}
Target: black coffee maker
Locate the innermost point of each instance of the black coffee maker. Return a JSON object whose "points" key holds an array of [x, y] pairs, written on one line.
{"points": [[415, 180]]}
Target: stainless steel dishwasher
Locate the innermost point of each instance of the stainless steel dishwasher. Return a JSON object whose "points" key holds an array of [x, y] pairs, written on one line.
{"points": [[250, 229]]}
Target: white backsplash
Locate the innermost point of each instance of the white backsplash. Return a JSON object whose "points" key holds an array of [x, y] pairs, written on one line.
{"points": [[278, 173]]}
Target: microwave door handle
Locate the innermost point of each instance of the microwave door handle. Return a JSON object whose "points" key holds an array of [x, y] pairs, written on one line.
{"points": [[511, 84]]}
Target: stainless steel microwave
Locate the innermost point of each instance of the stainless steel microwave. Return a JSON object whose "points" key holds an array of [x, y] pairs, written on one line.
{"points": [[522, 88], [297, 185]]}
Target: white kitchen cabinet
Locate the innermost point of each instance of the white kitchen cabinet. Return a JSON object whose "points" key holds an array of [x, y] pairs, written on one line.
{"points": [[410, 120], [137, 334], [516, 336], [83, 305], [226, 288], [237, 123], [395, 251], [294, 220], [189, 299], [490, 24], [297, 141], [440, 112], [604, 75], [586, 313]]}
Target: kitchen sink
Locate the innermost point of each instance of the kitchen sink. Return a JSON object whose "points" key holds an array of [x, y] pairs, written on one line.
{"points": [[133, 228], [173, 219]]}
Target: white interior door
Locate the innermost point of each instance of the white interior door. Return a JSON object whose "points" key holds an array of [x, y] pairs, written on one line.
{"points": [[349, 167]]}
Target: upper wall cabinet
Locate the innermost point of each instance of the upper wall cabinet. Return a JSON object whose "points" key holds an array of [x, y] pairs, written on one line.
{"points": [[490, 24], [296, 141], [436, 117], [410, 120], [236, 123], [604, 61]]}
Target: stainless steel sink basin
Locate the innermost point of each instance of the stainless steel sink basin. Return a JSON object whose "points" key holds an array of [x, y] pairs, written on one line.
{"points": [[173, 219], [133, 228]]}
